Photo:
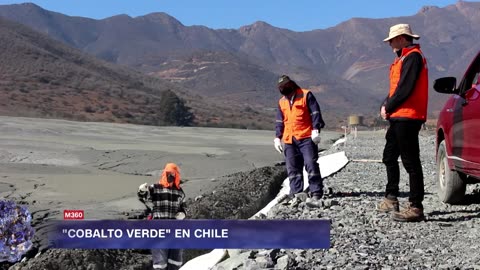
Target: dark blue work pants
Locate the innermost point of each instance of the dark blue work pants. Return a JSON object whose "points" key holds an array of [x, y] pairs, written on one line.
{"points": [[300, 153]]}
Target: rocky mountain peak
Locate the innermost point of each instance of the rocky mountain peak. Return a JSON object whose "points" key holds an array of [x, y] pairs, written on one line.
{"points": [[258, 26], [426, 9], [161, 17], [119, 17]]}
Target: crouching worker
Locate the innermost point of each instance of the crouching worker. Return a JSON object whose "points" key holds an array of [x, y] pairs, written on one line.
{"points": [[167, 198]]}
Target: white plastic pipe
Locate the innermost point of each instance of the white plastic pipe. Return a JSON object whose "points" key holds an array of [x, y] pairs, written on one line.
{"points": [[329, 164]]}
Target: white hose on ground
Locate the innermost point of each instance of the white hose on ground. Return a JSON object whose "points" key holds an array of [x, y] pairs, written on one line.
{"points": [[329, 164]]}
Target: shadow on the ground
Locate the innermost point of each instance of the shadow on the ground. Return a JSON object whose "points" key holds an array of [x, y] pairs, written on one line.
{"points": [[442, 216], [368, 194]]}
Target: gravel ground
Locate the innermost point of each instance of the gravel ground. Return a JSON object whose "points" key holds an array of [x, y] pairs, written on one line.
{"points": [[361, 238]]}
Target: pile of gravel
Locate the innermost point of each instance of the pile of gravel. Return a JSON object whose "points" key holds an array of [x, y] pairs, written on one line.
{"points": [[362, 238], [240, 195]]}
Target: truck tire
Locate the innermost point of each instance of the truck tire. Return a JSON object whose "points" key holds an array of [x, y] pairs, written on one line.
{"points": [[451, 187]]}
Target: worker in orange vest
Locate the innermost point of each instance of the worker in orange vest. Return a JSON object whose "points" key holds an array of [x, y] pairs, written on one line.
{"points": [[298, 124], [406, 109]]}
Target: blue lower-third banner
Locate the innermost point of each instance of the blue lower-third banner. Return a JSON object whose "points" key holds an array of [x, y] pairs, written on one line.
{"points": [[190, 234]]}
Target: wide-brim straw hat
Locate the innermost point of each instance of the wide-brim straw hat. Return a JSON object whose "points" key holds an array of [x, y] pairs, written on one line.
{"points": [[400, 29]]}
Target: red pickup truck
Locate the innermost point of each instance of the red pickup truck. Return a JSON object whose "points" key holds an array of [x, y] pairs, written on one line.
{"points": [[458, 134]]}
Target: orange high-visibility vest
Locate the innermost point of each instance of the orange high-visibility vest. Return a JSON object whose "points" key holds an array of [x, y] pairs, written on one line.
{"points": [[296, 117], [415, 107]]}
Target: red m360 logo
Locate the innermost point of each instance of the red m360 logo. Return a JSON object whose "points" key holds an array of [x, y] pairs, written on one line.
{"points": [[73, 214]]}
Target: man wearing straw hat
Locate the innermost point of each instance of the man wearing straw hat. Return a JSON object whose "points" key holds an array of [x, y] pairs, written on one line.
{"points": [[406, 109]]}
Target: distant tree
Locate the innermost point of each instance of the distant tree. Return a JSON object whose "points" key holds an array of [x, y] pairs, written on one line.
{"points": [[89, 109], [173, 111]]}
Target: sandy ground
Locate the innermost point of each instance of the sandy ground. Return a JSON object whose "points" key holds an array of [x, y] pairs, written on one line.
{"points": [[53, 165]]}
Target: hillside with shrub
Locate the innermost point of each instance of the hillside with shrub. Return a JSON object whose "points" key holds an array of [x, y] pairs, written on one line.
{"points": [[41, 77]]}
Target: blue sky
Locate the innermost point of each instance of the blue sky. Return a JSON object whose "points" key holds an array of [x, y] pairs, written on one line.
{"points": [[300, 15]]}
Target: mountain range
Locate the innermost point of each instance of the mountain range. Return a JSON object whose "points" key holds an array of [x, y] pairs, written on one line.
{"points": [[345, 66], [41, 77]]}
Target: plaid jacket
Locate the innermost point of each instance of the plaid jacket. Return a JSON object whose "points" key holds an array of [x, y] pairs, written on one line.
{"points": [[167, 202]]}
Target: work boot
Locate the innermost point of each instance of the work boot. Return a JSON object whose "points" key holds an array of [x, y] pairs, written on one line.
{"points": [[388, 205], [290, 200], [285, 199], [409, 214], [294, 202], [314, 201], [302, 196]]}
